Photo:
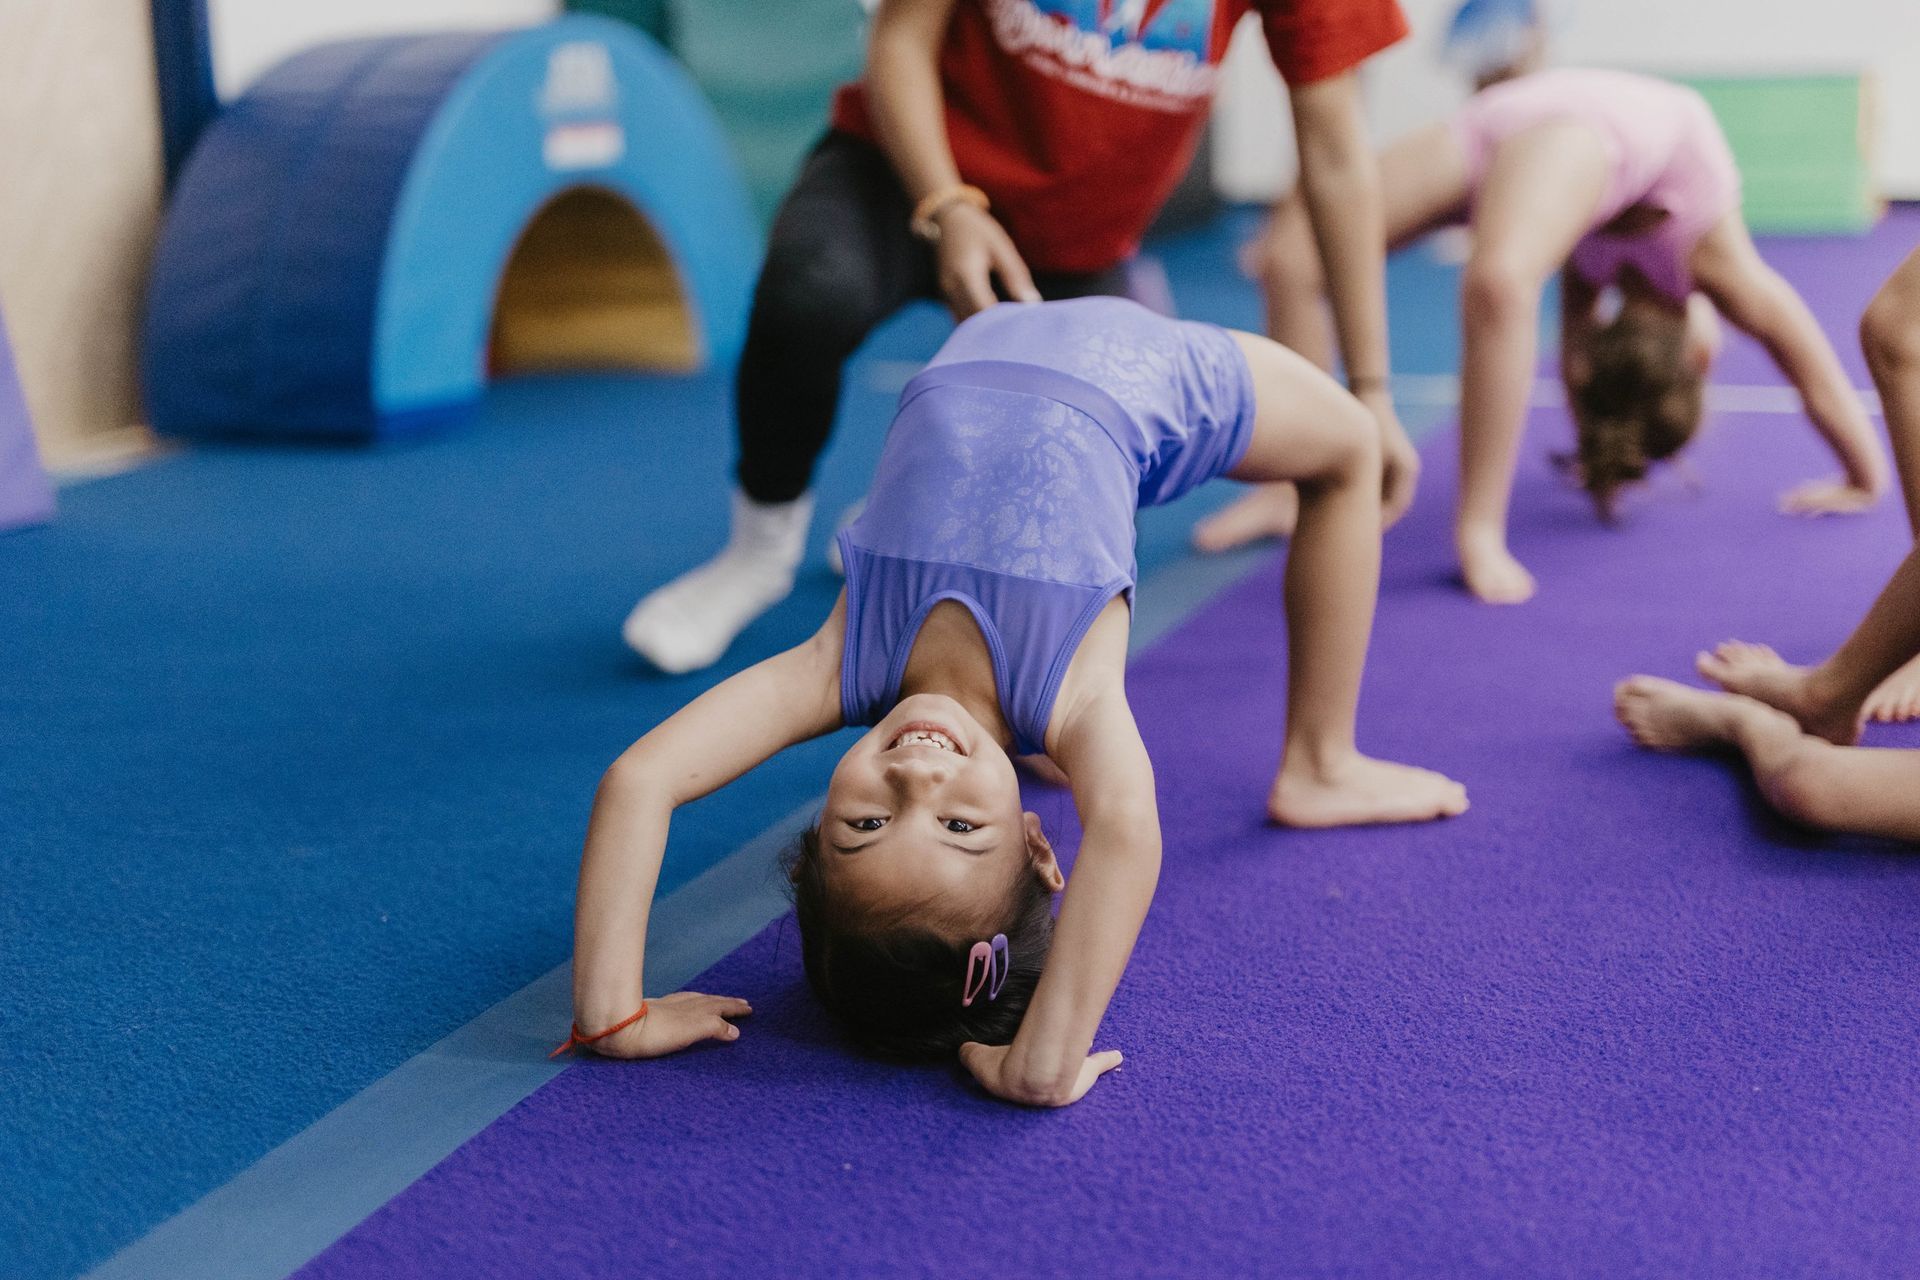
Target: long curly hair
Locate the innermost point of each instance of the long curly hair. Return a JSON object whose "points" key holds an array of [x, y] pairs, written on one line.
{"points": [[1639, 401], [894, 984]]}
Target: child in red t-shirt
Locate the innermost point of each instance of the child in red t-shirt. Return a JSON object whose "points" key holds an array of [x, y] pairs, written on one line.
{"points": [[1018, 149]]}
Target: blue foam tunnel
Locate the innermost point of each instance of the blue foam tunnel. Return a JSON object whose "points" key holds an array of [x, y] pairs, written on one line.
{"points": [[357, 243]]}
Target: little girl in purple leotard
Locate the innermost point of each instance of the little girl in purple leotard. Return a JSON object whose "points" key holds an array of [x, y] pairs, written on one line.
{"points": [[988, 596]]}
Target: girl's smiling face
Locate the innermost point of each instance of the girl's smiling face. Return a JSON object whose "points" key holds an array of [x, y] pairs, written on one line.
{"points": [[925, 809]]}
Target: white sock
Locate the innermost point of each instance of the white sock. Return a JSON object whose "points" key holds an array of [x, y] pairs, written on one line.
{"points": [[688, 624]]}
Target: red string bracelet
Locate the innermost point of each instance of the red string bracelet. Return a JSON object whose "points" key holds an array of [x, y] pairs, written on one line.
{"points": [[575, 1040]]}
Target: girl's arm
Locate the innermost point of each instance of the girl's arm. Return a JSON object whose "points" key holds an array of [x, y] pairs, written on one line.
{"points": [[908, 108], [727, 730], [1340, 181], [1754, 297], [1049, 1062]]}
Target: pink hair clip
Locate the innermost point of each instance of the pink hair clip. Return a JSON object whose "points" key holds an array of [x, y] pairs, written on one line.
{"points": [[993, 961]]}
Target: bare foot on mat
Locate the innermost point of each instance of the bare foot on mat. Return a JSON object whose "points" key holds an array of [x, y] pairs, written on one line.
{"points": [[1756, 671], [1361, 791], [1264, 511]]}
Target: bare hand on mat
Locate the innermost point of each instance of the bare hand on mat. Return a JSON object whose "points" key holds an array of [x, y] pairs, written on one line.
{"points": [[674, 1022], [1001, 1075], [973, 249]]}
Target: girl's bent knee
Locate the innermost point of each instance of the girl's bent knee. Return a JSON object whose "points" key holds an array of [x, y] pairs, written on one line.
{"points": [[1801, 788], [1360, 459], [1890, 328], [1494, 290]]}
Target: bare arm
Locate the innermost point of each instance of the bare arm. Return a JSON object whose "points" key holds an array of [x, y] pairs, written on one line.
{"points": [[1340, 181], [1340, 178], [1753, 297], [788, 698], [1049, 1062], [908, 107]]}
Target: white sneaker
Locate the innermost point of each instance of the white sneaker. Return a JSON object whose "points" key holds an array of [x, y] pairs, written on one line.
{"points": [[688, 624], [836, 561]]}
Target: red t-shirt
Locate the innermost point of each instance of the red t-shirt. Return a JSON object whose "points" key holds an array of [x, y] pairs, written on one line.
{"points": [[1077, 117]]}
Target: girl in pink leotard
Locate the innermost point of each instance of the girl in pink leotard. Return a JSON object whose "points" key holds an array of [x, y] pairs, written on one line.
{"points": [[1627, 183]]}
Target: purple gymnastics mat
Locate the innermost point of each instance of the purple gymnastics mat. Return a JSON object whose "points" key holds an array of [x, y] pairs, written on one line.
{"points": [[1614, 1021]]}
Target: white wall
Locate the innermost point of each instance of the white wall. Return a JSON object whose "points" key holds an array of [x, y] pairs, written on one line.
{"points": [[79, 200], [249, 36], [1407, 86]]}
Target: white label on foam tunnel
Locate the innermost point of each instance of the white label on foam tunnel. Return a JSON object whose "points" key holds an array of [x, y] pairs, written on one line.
{"points": [[579, 80], [589, 145]]}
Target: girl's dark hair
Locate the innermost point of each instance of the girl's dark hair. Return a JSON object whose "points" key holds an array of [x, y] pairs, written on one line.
{"points": [[1639, 402], [895, 985]]}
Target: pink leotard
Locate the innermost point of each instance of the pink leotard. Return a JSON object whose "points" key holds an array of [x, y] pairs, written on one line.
{"points": [[1666, 149]]}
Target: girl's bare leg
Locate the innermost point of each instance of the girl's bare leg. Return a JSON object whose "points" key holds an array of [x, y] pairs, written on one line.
{"points": [[1423, 182], [1876, 673], [1538, 199], [1808, 780], [1829, 699], [1890, 335], [1310, 432]]}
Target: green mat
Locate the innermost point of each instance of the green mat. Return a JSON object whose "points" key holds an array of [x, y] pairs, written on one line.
{"points": [[1801, 148]]}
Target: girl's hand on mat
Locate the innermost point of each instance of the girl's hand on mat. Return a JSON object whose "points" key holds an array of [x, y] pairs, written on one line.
{"points": [[994, 1066], [973, 249], [1400, 472], [674, 1022], [1835, 497]]}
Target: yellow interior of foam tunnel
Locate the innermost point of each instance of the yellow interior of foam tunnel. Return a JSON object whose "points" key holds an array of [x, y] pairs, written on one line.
{"points": [[590, 285]]}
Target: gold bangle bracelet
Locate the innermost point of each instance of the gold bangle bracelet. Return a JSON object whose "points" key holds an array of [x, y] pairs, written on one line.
{"points": [[925, 220]]}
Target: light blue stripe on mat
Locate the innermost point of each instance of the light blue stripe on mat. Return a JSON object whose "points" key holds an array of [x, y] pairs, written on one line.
{"points": [[318, 1185]]}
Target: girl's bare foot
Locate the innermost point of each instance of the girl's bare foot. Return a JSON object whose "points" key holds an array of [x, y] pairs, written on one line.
{"points": [[1264, 511], [1897, 700], [1757, 672], [1360, 791], [1492, 573], [1668, 716]]}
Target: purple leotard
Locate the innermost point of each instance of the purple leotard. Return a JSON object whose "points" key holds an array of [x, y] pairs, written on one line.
{"points": [[1009, 482]]}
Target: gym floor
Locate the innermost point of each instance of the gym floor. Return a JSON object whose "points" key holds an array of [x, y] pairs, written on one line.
{"points": [[297, 747]]}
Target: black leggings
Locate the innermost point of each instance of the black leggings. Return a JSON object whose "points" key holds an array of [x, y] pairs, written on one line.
{"points": [[841, 260]]}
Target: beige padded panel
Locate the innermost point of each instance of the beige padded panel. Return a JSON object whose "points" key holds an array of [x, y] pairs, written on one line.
{"points": [[590, 286], [80, 180]]}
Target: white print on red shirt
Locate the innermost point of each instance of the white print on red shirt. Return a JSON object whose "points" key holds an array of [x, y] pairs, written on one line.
{"points": [[1149, 53]]}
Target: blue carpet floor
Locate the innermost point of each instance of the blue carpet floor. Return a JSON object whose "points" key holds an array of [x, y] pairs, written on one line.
{"points": [[297, 747]]}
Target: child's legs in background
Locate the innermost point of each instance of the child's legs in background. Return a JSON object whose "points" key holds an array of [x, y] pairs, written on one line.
{"points": [[1308, 430], [1859, 790], [1890, 336], [1423, 184], [1539, 197], [1875, 675]]}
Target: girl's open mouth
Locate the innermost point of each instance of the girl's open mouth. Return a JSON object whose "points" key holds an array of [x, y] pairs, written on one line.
{"points": [[924, 733]]}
